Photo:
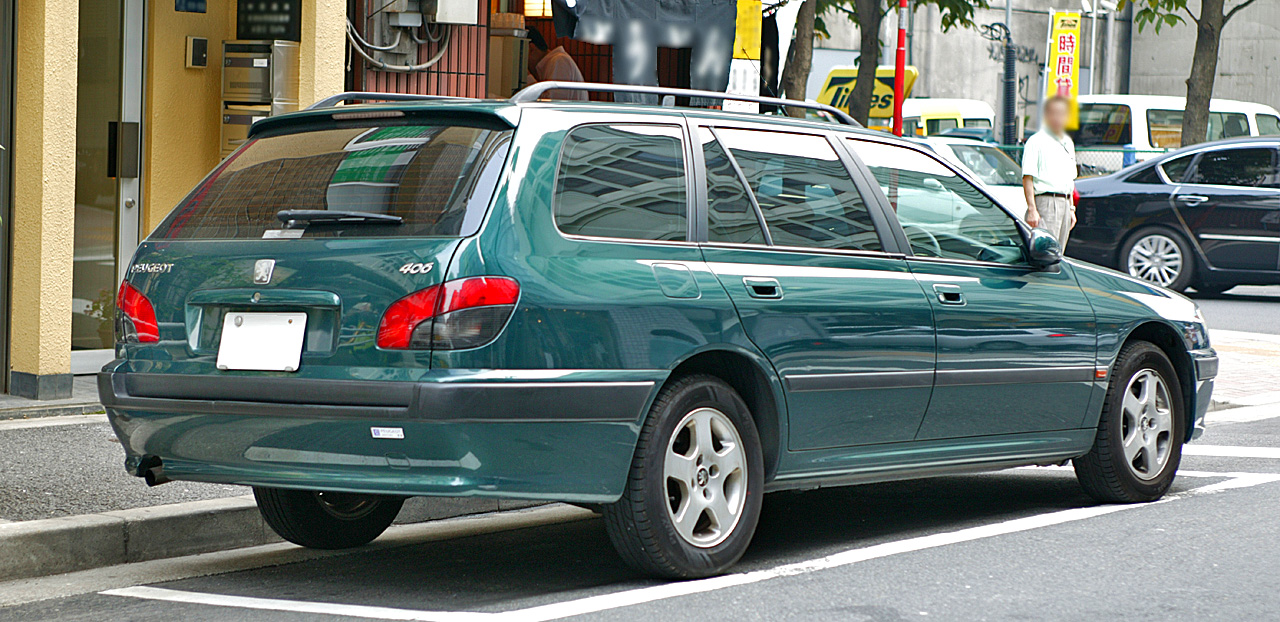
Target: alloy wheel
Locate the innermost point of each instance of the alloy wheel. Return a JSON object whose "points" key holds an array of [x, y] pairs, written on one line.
{"points": [[705, 471], [1156, 258], [1146, 426]]}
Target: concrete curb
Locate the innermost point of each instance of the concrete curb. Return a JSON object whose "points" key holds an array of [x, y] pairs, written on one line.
{"points": [[68, 544], [56, 410]]}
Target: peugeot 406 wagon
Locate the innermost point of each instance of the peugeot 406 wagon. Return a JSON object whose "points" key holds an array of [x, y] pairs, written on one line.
{"points": [[662, 312]]}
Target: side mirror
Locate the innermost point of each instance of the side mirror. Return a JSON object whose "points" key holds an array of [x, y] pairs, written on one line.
{"points": [[1043, 249]]}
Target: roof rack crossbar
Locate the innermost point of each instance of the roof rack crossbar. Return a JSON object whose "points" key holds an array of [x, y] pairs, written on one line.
{"points": [[353, 96], [535, 91]]}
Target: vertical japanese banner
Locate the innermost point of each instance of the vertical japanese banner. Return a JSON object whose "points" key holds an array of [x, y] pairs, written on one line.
{"points": [[744, 70], [1062, 73]]}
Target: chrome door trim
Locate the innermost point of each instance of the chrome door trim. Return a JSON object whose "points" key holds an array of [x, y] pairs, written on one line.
{"points": [[1240, 238]]}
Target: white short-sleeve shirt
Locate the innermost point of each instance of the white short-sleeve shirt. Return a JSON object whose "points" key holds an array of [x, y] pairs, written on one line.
{"points": [[1050, 162]]}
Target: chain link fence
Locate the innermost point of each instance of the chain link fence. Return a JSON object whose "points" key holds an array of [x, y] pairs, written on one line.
{"points": [[1095, 161]]}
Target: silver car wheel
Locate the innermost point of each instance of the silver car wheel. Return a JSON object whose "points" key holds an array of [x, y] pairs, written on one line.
{"points": [[1156, 258], [1146, 426], [705, 471]]}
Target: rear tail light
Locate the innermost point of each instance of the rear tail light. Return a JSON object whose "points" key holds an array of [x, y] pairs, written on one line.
{"points": [[464, 313], [1075, 196], [135, 317]]}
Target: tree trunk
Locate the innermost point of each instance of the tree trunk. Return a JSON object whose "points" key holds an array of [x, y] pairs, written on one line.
{"points": [[869, 18], [1204, 68], [796, 76]]}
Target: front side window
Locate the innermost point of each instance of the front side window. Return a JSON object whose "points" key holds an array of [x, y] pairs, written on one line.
{"points": [[730, 215], [1235, 167], [938, 126], [983, 123], [1228, 125], [623, 181], [803, 189], [941, 213], [437, 179]]}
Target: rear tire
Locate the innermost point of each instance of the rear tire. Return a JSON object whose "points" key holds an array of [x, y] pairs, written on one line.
{"points": [[693, 496], [1138, 445], [1159, 256], [326, 520]]}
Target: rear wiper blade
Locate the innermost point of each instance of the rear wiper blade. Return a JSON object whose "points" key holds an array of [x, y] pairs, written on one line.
{"points": [[294, 217]]}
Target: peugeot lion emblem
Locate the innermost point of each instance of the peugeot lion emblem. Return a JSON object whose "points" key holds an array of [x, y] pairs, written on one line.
{"points": [[262, 271]]}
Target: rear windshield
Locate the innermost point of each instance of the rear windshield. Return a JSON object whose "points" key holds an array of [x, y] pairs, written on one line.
{"points": [[1108, 125], [438, 179]]}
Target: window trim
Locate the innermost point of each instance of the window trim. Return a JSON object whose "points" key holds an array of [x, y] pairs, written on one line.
{"points": [[890, 245], [908, 251], [689, 209], [746, 185]]}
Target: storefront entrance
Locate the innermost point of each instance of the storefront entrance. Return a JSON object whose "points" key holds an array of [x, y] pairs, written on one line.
{"points": [[108, 168]]}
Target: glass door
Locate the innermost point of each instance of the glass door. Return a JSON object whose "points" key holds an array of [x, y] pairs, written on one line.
{"points": [[108, 162]]}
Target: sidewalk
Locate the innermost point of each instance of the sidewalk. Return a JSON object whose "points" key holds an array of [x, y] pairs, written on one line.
{"points": [[84, 399], [67, 503]]}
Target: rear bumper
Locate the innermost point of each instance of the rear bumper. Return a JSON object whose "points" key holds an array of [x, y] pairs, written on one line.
{"points": [[518, 434]]}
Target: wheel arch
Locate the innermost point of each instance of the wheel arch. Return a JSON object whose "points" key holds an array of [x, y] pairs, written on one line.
{"points": [[756, 382], [1169, 340]]}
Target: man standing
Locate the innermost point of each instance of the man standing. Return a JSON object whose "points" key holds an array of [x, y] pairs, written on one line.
{"points": [[1049, 172], [553, 65]]}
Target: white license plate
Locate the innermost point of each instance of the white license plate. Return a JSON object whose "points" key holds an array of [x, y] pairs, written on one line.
{"points": [[262, 341]]}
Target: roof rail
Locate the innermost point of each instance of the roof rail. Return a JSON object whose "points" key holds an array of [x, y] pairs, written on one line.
{"points": [[536, 90], [330, 102]]}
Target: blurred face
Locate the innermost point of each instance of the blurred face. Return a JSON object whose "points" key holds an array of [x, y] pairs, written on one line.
{"points": [[1055, 116]]}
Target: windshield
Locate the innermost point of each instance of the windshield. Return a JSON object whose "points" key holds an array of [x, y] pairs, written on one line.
{"points": [[438, 179], [989, 164]]}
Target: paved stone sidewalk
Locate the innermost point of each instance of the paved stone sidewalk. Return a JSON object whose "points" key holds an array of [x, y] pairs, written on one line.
{"points": [[1249, 372]]}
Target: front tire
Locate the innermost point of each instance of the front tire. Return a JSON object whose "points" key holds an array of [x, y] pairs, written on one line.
{"points": [[326, 520], [1159, 256], [693, 496], [1138, 445]]}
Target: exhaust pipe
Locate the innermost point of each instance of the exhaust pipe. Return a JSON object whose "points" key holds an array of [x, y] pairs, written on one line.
{"points": [[155, 476]]}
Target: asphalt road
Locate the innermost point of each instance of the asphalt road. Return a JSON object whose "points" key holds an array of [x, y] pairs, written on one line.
{"points": [[1023, 544], [1246, 308]]}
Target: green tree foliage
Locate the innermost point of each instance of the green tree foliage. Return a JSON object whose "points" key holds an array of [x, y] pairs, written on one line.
{"points": [[1213, 17]]}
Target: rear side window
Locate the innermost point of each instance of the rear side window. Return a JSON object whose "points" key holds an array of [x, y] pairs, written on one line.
{"points": [[1104, 125], [803, 189], [730, 215], [1174, 169], [437, 178], [1235, 167], [1268, 125], [623, 181]]}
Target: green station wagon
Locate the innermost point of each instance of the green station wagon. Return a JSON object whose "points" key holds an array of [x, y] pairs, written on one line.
{"points": [[659, 312]]}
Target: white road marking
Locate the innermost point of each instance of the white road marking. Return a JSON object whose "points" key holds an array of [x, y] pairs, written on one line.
{"points": [[1230, 451], [605, 602], [48, 422]]}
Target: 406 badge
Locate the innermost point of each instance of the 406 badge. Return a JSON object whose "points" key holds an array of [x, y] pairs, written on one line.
{"points": [[416, 268]]}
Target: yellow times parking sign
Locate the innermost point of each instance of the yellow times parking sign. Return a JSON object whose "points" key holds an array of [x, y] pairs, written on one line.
{"points": [[1062, 72], [840, 83]]}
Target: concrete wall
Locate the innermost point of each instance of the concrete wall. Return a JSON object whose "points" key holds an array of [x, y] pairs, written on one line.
{"points": [[1248, 62]]}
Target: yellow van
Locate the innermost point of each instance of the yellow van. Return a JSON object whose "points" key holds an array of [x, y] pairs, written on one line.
{"points": [[930, 117]]}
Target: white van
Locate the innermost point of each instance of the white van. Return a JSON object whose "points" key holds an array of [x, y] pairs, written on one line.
{"points": [[1152, 124]]}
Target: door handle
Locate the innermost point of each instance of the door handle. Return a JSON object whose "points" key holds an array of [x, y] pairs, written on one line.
{"points": [[1192, 200], [762, 287], [949, 294]]}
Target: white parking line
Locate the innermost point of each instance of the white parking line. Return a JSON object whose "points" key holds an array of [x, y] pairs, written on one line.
{"points": [[48, 422], [1230, 451], [605, 602]]}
